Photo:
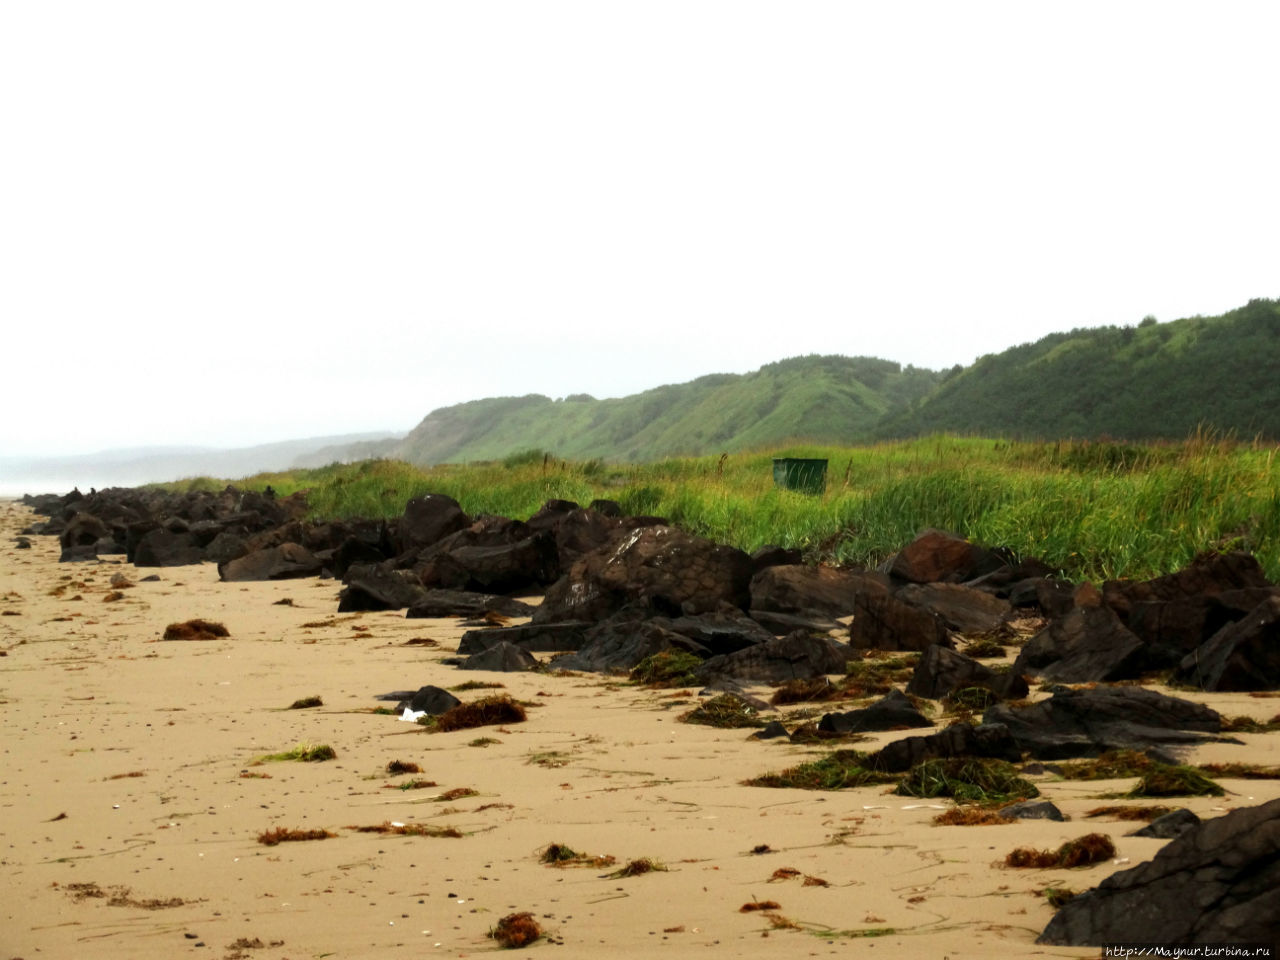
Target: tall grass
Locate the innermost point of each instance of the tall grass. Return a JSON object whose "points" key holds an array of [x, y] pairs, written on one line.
{"points": [[1093, 511]]}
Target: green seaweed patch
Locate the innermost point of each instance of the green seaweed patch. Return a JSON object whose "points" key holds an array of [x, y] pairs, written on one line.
{"points": [[971, 780], [562, 855], [306, 703], [304, 752], [1240, 771], [667, 668], [807, 690], [1112, 765], [836, 771], [477, 685], [726, 711], [637, 868], [1166, 780]]}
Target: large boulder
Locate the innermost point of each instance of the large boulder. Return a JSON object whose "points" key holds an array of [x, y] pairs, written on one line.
{"points": [[934, 555], [1207, 575], [941, 670], [377, 588], [958, 740], [894, 711], [1088, 645], [721, 632], [1218, 882], [618, 644], [285, 562], [671, 571], [161, 548], [814, 593], [498, 568], [1240, 656], [961, 608], [501, 658], [533, 637], [798, 655], [1089, 722], [428, 519], [883, 622]]}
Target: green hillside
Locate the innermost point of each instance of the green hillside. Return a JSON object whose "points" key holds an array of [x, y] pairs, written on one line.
{"points": [[820, 399], [1152, 381]]}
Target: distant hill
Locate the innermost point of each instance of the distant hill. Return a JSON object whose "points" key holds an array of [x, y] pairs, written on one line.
{"points": [[1152, 381], [133, 467], [826, 399]]}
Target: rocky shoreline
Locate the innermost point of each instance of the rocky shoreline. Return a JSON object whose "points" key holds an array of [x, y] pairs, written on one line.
{"points": [[1052, 671]]}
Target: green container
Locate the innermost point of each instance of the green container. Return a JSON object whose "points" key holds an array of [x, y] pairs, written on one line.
{"points": [[802, 476]]}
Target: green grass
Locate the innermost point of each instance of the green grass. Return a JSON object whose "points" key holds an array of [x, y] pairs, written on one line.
{"points": [[974, 780], [836, 771], [304, 752], [1140, 513]]}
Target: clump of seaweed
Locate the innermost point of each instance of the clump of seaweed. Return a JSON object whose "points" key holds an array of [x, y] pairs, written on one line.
{"points": [[457, 793], [477, 685], [516, 930], [284, 835], [870, 676], [637, 868], [667, 668], [1112, 765], [976, 780], [409, 829], [306, 703], [411, 785], [1057, 896], [726, 711], [984, 648], [970, 699], [1091, 848], [1250, 725], [754, 905], [836, 771], [562, 855], [480, 713], [195, 630], [396, 767], [806, 690], [1166, 780], [968, 816], [1129, 813], [305, 752]]}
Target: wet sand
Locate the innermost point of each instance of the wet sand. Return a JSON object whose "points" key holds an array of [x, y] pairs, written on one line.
{"points": [[131, 808]]}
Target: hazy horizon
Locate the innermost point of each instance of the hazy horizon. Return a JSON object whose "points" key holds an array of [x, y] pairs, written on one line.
{"points": [[243, 224]]}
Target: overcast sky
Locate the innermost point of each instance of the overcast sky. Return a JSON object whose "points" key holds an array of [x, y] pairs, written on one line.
{"points": [[239, 222]]}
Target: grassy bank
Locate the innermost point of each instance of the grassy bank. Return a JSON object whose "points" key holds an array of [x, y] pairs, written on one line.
{"points": [[1095, 511]]}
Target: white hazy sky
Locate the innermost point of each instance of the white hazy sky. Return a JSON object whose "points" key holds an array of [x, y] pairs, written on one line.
{"points": [[238, 222]]}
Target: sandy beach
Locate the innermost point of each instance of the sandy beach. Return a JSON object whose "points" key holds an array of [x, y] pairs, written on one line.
{"points": [[132, 806]]}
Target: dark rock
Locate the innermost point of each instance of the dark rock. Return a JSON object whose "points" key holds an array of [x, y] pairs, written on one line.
{"points": [[467, 603], [620, 643], [780, 624], [771, 555], [502, 658], [672, 571], [961, 608], [815, 593], [795, 656], [1052, 596], [376, 588], [770, 731], [723, 631], [581, 532], [1240, 656], [1217, 883], [522, 564], [551, 514], [610, 508], [286, 562], [1207, 575], [1171, 629], [960, 740], [883, 622], [22, 543], [354, 550], [941, 670], [934, 555], [82, 530], [225, 547], [892, 712], [79, 553], [160, 548], [1089, 722], [430, 700], [1088, 645], [1032, 810], [1169, 827], [534, 637], [429, 519]]}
